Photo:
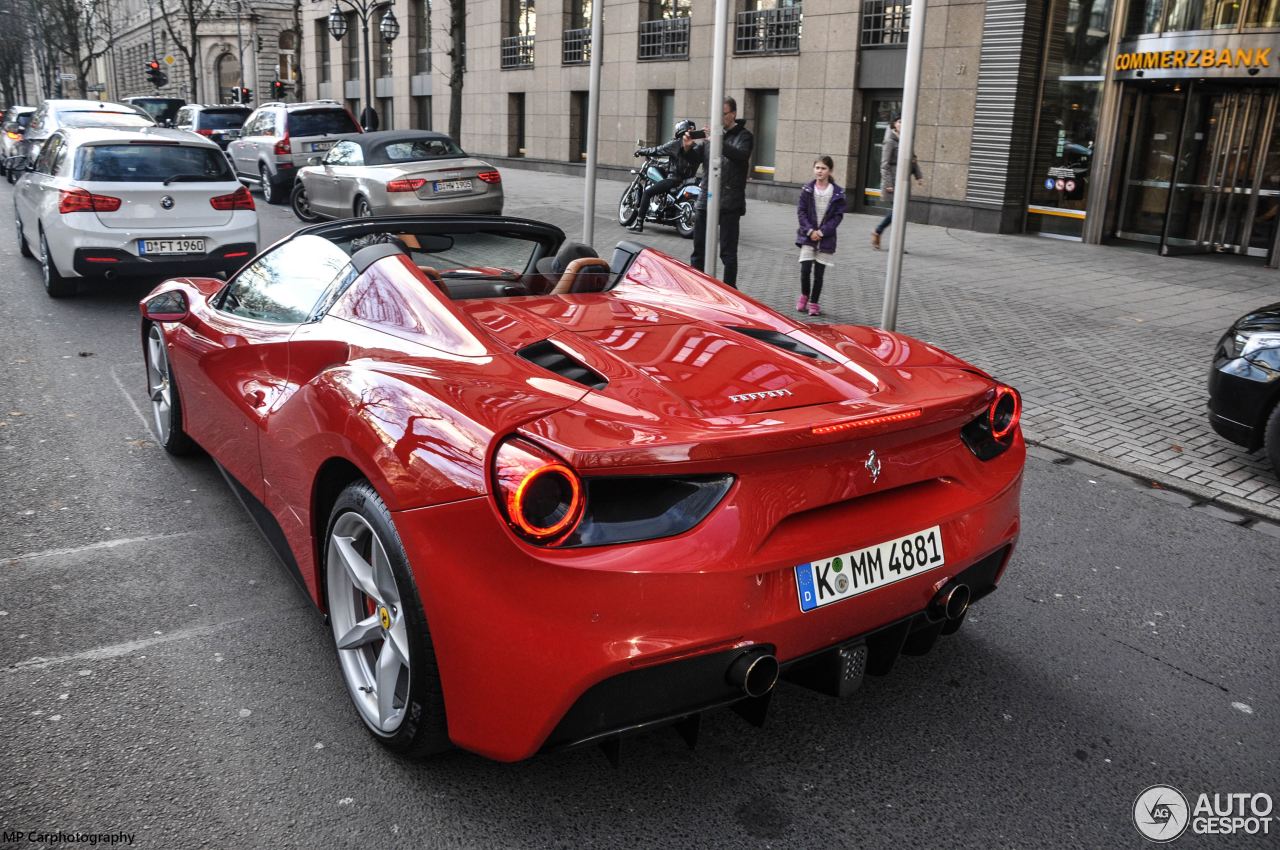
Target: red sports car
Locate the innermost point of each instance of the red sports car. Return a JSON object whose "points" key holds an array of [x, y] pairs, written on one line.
{"points": [[548, 499]]}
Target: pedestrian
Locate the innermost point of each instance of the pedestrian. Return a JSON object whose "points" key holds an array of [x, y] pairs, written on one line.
{"points": [[820, 210], [679, 169], [889, 175], [735, 156]]}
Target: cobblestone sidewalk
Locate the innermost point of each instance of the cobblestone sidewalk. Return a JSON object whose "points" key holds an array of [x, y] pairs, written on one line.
{"points": [[1110, 346]]}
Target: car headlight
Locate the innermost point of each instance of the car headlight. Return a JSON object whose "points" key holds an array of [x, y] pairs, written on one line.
{"points": [[1248, 344]]}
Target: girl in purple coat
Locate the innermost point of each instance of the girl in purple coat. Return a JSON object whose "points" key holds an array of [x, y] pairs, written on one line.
{"points": [[820, 211]]}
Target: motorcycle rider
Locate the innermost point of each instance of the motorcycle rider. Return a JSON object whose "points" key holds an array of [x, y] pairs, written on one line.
{"points": [[679, 169]]}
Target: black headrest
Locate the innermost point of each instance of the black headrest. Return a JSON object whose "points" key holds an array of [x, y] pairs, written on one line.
{"points": [[569, 252], [367, 256]]}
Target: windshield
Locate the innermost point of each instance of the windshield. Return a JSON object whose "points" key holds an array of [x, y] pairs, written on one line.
{"points": [[228, 120], [161, 109], [100, 118], [321, 122], [144, 163], [415, 150]]}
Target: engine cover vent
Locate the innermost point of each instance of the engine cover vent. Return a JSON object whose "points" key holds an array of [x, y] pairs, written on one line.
{"points": [[781, 340], [552, 357]]}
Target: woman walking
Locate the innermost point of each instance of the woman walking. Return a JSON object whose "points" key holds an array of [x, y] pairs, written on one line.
{"points": [[889, 175], [820, 211]]}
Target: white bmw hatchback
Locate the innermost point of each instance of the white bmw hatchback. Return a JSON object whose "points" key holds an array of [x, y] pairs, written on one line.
{"points": [[151, 202]]}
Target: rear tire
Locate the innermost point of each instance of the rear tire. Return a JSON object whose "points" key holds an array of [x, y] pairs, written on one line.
{"points": [[55, 284], [388, 662], [362, 208], [270, 191], [301, 204], [1271, 439], [688, 220], [629, 205], [23, 248]]}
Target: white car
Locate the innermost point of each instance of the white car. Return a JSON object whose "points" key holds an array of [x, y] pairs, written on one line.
{"points": [[107, 203]]}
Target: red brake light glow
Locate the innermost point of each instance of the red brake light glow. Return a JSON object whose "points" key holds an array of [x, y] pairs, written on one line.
{"points": [[205, 132], [490, 176], [82, 200], [540, 495], [13, 135], [1004, 413], [406, 184], [886, 418], [240, 199], [284, 147]]}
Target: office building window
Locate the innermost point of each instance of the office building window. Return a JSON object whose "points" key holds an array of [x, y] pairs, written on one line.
{"points": [[351, 48], [662, 116], [664, 34], [420, 32], [386, 113], [323, 55], [422, 113], [578, 105], [287, 64], [762, 105], [515, 124]]}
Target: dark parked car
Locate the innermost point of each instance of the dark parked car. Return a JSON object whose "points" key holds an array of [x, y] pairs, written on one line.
{"points": [[220, 123], [162, 109], [1244, 386]]}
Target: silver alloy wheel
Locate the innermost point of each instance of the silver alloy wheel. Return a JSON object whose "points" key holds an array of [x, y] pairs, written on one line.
{"points": [[368, 623], [301, 204], [158, 387], [268, 190], [46, 264], [363, 210]]}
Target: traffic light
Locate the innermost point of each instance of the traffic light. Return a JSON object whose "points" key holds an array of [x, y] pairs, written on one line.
{"points": [[155, 74], [277, 90], [246, 96]]}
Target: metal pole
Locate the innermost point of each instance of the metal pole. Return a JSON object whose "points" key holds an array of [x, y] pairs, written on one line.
{"points": [[902, 180], [716, 142], [593, 123], [368, 73], [239, 47]]}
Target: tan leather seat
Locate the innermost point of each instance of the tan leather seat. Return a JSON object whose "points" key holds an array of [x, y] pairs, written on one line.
{"points": [[586, 274]]}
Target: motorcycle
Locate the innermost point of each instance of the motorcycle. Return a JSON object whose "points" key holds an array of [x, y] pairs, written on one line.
{"points": [[677, 207]]}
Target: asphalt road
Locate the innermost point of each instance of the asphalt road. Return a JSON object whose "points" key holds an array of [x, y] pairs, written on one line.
{"points": [[161, 675]]}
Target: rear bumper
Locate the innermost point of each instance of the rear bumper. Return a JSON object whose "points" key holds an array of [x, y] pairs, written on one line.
{"points": [[408, 203], [524, 636], [111, 262], [78, 237]]}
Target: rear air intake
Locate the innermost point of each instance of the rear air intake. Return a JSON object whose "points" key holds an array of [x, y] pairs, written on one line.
{"points": [[552, 357], [781, 340]]}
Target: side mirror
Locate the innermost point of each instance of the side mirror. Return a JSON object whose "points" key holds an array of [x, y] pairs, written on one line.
{"points": [[168, 306], [314, 160]]}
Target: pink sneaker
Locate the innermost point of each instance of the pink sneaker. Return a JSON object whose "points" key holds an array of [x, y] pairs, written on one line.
{"points": [[814, 309], [802, 303]]}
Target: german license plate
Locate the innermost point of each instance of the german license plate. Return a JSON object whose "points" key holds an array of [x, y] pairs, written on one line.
{"points": [[452, 185], [833, 579], [170, 246], [321, 146]]}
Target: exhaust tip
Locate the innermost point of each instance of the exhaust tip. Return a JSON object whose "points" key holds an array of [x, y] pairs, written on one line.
{"points": [[755, 672], [950, 603]]}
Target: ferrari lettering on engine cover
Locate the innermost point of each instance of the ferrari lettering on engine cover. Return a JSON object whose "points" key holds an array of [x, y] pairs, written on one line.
{"points": [[760, 395]]}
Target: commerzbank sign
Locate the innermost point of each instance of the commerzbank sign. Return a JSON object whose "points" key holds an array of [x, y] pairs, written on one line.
{"points": [[1234, 55]]}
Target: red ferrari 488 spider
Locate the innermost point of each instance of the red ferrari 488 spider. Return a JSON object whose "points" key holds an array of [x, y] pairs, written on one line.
{"points": [[548, 499]]}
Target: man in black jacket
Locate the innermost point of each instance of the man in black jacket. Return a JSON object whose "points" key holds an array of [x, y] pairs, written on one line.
{"points": [[679, 169], [734, 160]]}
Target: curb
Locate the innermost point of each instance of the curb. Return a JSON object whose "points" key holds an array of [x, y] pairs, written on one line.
{"points": [[1198, 493]]}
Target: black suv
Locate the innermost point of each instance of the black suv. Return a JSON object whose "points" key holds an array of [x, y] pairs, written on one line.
{"points": [[162, 109], [221, 123]]}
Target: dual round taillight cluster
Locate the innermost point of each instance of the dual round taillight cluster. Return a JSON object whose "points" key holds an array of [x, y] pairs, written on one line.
{"points": [[1004, 412], [541, 497]]}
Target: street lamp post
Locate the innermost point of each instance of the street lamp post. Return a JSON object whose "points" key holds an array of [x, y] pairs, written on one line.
{"points": [[389, 28]]}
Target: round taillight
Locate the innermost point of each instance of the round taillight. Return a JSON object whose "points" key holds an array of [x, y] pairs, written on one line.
{"points": [[540, 495], [1004, 413]]}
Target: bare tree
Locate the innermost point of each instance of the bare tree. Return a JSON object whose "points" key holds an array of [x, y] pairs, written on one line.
{"points": [[41, 24], [183, 23], [457, 65], [80, 30], [15, 46]]}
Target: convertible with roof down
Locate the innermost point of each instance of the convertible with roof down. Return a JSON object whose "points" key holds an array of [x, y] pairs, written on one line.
{"points": [[547, 499]]}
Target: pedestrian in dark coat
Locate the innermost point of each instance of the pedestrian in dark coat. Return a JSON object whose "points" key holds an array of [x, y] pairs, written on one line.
{"points": [[735, 156], [889, 176], [820, 210]]}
